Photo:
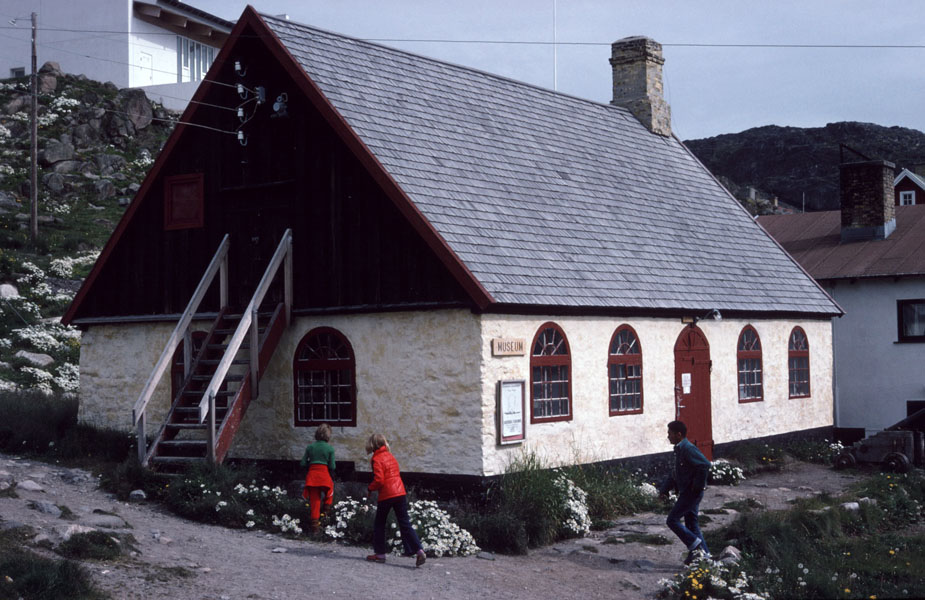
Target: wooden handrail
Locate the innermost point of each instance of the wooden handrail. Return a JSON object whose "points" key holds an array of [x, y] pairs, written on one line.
{"points": [[219, 264], [206, 405]]}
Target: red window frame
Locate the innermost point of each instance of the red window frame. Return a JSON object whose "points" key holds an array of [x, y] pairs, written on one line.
{"points": [[183, 201], [798, 364], [624, 372], [748, 358], [324, 364], [550, 375]]}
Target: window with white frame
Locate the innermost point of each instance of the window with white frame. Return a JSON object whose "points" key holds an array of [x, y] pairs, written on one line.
{"points": [[907, 198], [193, 59]]}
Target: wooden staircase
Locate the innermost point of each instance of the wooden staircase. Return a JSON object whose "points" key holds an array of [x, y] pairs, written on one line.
{"points": [[222, 377]]}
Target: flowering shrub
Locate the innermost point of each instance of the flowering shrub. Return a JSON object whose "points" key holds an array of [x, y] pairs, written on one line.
{"points": [[709, 579], [575, 507], [438, 534], [287, 524], [722, 472], [353, 522], [64, 267]]}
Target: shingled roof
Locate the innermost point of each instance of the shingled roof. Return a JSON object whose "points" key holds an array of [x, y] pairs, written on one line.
{"points": [[550, 199]]}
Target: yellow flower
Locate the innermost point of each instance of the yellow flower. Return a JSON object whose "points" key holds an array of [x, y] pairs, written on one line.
{"points": [[892, 552], [847, 590], [8, 578], [874, 597]]}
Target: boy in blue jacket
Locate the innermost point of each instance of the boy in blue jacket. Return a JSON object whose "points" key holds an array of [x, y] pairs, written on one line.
{"points": [[689, 478]]}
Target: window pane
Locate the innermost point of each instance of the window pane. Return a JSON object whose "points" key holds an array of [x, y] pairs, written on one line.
{"points": [[913, 316]]}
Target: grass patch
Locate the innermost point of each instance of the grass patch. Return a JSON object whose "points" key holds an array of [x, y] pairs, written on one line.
{"points": [[758, 458], [24, 574], [95, 545], [714, 511], [806, 552]]}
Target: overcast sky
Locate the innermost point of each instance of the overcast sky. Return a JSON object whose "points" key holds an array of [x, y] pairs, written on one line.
{"points": [[711, 90]]}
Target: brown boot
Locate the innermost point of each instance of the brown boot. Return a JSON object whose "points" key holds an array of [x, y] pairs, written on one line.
{"points": [[315, 525]]}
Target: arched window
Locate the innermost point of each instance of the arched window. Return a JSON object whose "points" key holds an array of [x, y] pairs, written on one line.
{"points": [[550, 386], [324, 372], [624, 372], [798, 363], [749, 355]]}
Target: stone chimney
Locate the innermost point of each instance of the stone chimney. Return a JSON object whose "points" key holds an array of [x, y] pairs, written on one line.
{"points": [[866, 192], [637, 82]]}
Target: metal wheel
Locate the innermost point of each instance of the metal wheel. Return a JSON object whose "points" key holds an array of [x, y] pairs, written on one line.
{"points": [[845, 460], [896, 462]]}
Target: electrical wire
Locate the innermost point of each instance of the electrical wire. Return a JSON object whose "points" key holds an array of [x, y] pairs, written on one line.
{"points": [[533, 42]]}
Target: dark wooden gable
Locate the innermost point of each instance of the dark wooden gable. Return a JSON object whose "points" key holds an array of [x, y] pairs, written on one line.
{"points": [[354, 249]]}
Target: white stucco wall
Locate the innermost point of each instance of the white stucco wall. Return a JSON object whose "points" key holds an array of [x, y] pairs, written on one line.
{"points": [[115, 362], [417, 383], [428, 382], [593, 435], [875, 375]]}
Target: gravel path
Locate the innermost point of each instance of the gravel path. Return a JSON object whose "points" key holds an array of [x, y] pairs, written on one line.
{"points": [[182, 559]]}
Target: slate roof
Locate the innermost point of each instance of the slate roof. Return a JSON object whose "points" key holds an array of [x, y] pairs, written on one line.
{"points": [[550, 199], [814, 239]]}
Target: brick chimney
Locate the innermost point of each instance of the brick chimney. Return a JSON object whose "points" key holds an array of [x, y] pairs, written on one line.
{"points": [[866, 192], [637, 82]]}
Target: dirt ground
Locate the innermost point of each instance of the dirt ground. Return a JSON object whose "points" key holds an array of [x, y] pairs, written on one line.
{"points": [[181, 559]]}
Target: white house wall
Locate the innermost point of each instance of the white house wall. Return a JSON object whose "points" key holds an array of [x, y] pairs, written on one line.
{"points": [[115, 362], [81, 48], [417, 383], [592, 435], [875, 375], [428, 382]]}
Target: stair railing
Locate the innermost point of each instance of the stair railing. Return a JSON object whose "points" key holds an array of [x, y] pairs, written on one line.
{"points": [[181, 332], [248, 326]]}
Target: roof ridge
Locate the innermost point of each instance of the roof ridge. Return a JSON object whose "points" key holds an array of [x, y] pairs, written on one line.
{"points": [[518, 82]]}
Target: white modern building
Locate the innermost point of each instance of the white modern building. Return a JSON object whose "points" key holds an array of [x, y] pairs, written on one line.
{"points": [[870, 257], [163, 46]]}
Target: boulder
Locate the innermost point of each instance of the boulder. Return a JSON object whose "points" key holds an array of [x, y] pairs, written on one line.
{"points": [[56, 151], [17, 104], [8, 200], [37, 359], [109, 163], [30, 486], [51, 68], [8, 290], [104, 189], [137, 107], [65, 532], [46, 83], [84, 135], [46, 507], [54, 182], [67, 166]]}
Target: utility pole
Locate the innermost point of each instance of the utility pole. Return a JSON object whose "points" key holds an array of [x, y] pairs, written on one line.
{"points": [[33, 182]]}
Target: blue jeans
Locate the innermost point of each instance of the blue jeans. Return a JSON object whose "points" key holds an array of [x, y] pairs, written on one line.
{"points": [[686, 507], [409, 538]]}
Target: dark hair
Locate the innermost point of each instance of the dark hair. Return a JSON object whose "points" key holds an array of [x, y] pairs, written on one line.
{"points": [[678, 427]]}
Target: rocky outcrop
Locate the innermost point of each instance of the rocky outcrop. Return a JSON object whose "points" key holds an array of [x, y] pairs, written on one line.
{"points": [[789, 162]]}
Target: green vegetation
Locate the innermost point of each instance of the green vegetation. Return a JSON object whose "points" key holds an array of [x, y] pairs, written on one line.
{"points": [[24, 574]]}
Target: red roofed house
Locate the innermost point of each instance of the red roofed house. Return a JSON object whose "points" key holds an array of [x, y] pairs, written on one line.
{"points": [[870, 257]]}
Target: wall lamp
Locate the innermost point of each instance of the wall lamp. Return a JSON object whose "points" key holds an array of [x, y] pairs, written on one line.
{"points": [[711, 314]]}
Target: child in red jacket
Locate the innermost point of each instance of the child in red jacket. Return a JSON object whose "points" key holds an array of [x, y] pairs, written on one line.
{"points": [[387, 481]]}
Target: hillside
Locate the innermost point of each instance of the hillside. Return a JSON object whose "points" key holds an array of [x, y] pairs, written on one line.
{"points": [[96, 143], [789, 161]]}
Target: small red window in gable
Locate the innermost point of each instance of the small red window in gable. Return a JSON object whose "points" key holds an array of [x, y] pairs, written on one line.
{"points": [[183, 205]]}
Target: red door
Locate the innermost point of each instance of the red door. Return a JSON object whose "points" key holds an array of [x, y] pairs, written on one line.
{"points": [[692, 387]]}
